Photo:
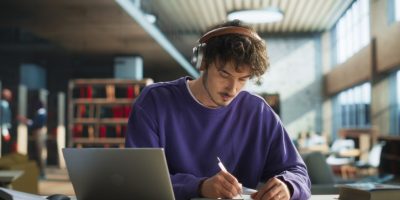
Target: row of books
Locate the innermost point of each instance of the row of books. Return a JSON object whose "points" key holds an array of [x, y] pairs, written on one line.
{"points": [[89, 111], [107, 91], [88, 131]]}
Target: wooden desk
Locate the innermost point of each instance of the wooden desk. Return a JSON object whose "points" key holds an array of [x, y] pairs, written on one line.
{"points": [[350, 153]]}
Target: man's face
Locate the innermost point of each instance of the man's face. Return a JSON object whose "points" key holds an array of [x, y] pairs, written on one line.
{"points": [[6, 95], [223, 83]]}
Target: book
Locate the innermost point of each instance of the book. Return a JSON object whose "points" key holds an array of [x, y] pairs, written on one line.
{"points": [[369, 191]]}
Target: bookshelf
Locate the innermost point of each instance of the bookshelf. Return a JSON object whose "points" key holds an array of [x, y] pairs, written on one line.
{"points": [[98, 110]]}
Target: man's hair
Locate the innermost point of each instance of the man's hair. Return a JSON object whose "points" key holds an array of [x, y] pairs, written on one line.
{"points": [[238, 49]]}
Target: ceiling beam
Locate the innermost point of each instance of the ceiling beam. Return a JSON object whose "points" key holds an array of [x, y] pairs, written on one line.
{"points": [[153, 31]]}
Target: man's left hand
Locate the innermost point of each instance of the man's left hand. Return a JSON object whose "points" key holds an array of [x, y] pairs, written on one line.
{"points": [[273, 189]]}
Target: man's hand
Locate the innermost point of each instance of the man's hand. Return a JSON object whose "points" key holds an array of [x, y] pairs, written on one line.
{"points": [[273, 189], [221, 185]]}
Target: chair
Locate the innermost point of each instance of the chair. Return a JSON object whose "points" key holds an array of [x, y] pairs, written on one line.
{"points": [[340, 160], [338, 146], [374, 158], [320, 173]]}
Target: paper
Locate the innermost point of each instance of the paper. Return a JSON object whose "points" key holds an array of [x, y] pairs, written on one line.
{"points": [[246, 193]]}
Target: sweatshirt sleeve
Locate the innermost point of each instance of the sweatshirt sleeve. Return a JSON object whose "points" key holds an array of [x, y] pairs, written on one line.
{"points": [[285, 163], [186, 186], [142, 131]]}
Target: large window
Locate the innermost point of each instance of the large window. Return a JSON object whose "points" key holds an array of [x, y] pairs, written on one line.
{"points": [[352, 30], [354, 106], [395, 104], [397, 9]]}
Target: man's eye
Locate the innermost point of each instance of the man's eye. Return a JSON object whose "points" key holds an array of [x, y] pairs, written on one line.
{"points": [[223, 74]]}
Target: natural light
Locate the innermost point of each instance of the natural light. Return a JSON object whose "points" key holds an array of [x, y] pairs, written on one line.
{"points": [[352, 30], [398, 86], [397, 11], [353, 105]]}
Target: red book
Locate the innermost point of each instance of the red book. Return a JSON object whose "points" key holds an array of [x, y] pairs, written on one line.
{"points": [[82, 92], [82, 111], [127, 111], [118, 112], [130, 92], [89, 92], [77, 130], [103, 131]]}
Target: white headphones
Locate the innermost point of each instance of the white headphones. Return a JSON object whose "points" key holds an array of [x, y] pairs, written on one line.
{"points": [[198, 51]]}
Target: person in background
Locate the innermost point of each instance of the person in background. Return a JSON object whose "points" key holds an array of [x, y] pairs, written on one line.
{"points": [[5, 121], [38, 129], [197, 120]]}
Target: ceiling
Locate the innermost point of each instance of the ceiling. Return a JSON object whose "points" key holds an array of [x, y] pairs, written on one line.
{"points": [[102, 27]]}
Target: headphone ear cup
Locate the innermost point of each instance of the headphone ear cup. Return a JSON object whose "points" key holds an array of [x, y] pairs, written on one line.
{"points": [[200, 54], [194, 55], [197, 56]]}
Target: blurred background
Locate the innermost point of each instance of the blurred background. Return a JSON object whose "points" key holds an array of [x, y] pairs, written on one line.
{"points": [[73, 69]]}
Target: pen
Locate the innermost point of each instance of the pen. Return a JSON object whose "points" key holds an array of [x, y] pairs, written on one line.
{"points": [[222, 167]]}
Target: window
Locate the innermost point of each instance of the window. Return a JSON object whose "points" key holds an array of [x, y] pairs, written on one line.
{"points": [[397, 9], [354, 104], [352, 30], [395, 104]]}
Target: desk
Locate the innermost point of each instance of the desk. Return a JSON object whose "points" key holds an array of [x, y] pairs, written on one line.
{"points": [[8, 176], [313, 197], [23, 196]]}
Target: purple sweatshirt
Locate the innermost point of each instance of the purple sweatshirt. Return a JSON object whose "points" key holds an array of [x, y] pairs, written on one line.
{"points": [[247, 135]]}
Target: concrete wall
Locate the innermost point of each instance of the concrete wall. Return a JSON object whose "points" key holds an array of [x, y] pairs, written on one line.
{"points": [[327, 116], [295, 74], [380, 101], [380, 105]]}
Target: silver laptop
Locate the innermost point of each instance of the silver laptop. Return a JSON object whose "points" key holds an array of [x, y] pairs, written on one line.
{"points": [[132, 173]]}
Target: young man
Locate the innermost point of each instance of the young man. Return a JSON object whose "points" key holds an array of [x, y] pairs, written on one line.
{"points": [[196, 121]]}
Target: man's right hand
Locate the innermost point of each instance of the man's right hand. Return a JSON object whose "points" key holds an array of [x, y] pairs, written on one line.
{"points": [[221, 185]]}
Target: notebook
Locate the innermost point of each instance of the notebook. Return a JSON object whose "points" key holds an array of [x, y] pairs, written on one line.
{"points": [[132, 173]]}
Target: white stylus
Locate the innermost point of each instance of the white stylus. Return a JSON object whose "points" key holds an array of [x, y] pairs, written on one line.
{"points": [[222, 167]]}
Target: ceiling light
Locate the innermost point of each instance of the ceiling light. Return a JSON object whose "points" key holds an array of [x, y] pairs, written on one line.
{"points": [[266, 15]]}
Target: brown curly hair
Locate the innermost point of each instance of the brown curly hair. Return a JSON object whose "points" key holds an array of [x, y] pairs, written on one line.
{"points": [[238, 49]]}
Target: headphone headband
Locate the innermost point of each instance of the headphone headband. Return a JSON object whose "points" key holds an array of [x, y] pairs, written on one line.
{"points": [[228, 30]]}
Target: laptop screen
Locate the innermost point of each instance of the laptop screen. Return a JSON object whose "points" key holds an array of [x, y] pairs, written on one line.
{"points": [[111, 173]]}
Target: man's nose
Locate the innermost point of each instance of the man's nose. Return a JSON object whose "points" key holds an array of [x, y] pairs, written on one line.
{"points": [[232, 87]]}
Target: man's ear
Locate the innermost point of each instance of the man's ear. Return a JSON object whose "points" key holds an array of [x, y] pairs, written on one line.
{"points": [[202, 67]]}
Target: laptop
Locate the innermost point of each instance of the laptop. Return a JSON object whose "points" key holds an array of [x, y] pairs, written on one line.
{"points": [[111, 173]]}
